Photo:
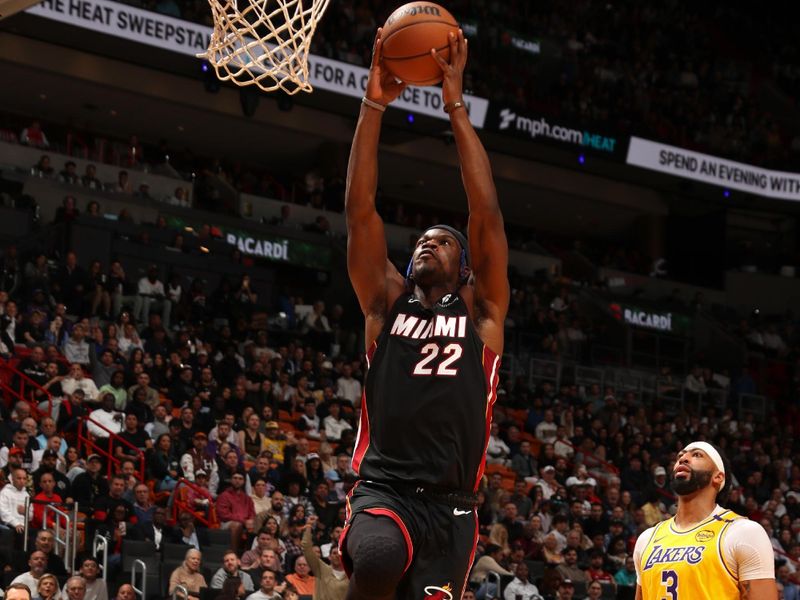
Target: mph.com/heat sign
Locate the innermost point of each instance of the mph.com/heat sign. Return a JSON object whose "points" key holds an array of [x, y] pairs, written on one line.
{"points": [[508, 120]]}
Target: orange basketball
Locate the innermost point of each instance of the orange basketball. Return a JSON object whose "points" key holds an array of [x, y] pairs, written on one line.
{"points": [[408, 36]]}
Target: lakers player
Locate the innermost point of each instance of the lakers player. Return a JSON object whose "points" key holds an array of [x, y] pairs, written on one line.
{"points": [[705, 551]]}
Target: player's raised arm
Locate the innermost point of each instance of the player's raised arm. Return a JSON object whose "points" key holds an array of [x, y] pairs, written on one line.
{"points": [[487, 238], [370, 272]]}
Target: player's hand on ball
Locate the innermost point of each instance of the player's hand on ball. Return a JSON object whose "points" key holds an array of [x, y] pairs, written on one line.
{"points": [[382, 86], [453, 71]]}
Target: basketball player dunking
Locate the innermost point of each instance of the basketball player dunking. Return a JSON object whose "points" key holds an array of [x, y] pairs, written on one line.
{"points": [[434, 338], [704, 551]]}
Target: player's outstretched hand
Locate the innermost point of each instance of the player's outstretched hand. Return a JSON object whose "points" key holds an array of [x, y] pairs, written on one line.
{"points": [[453, 71], [382, 86]]}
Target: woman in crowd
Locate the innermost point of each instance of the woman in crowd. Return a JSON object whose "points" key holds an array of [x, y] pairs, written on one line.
{"points": [[251, 440], [47, 588], [164, 464]]}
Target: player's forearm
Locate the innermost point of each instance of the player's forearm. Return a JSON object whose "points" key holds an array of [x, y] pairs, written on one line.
{"points": [[476, 170], [362, 170]]}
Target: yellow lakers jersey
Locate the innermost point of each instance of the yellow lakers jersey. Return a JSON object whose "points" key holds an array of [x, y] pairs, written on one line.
{"points": [[688, 565]]}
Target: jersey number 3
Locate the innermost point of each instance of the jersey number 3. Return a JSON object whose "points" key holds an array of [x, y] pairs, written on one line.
{"points": [[429, 352], [670, 580]]}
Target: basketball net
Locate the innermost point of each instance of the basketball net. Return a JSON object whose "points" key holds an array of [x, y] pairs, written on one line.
{"points": [[264, 43]]}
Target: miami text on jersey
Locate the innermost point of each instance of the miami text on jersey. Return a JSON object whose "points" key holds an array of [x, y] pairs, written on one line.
{"points": [[660, 556], [419, 329]]}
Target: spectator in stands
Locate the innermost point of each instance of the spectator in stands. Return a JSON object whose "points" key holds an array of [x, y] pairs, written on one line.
{"points": [[125, 592], [105, 420], [104, 369], [76, 588], [96, 588], [488, 563], [269, 589], [188, 575], [348, 387], [123, 184], [69, 174], [76, 379], [569, 568], [524, 463], [47, 588], [520, 587], [626, 576], [235, 510], [33, 135], [90, 179], [497, 451], [46, 542], [594, 591], [546, 430], [91, 485], [330, 580], [151, 295], [566, 590], [334, 424], [71, 281], [156, 529], [197, 459], [13, 497], [36, 563], [230, 570], [309, 421], [46, 497], [302, 579], [115, 385], [136, 438], [71, 410], [179, 198], [77, 349], [93, 209]]}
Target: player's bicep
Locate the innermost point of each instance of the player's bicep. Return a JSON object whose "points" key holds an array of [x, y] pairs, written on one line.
{"points": [[489, 264], [489, 258], [758, 589], [366, 260]]}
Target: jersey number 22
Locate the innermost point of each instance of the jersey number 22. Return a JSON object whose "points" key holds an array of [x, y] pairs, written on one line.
{"points": [[445, 368]]}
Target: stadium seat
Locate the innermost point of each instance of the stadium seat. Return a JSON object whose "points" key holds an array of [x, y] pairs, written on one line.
{"points": [[137, 550], [219, 537], [170, 552]]}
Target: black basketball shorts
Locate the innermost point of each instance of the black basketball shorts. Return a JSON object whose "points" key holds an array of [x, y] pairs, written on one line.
{"points": [[440, 533]]}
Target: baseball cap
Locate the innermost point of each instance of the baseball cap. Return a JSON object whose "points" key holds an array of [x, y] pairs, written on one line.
{"points": [[617, 522], [311, 455], [327, 364], [660, 471], [93, 457], [200, 472], [49, 453], [271, 425], [566, 582], [16, 450], [200, 436], [549, 468]]}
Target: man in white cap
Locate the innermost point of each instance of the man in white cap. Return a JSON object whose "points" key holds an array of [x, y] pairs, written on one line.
{"points": [[704, 551]]}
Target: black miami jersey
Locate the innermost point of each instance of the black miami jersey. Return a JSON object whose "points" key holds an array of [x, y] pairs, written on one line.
{"points": [[428, 398]]}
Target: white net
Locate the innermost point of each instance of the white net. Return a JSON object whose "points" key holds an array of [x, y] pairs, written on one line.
{"points": [[264, 42]]}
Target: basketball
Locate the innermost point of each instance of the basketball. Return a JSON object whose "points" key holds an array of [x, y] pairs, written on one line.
{"points": [[408, 36]]}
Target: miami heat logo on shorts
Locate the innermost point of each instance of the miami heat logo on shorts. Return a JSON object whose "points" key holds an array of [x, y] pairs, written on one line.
{"points": [[433, 592]]}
